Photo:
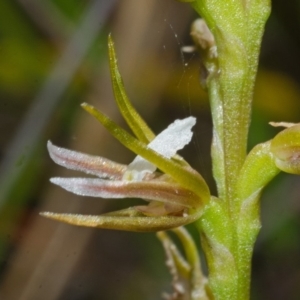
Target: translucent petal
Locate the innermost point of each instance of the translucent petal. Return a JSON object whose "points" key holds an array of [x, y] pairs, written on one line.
{"points": [[95, 165], [149, 190], [167, 143]]}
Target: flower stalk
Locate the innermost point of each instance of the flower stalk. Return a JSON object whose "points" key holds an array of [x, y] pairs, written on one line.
{"points": [[230, 223], [237, 27]]}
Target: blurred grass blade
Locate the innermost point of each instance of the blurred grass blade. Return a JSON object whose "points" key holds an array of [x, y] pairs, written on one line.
{"points": [[132, 117], [26, 140], [188, 178]]}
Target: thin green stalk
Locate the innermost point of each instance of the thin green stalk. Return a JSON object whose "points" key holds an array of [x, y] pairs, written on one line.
{"points": [[237, 27]]}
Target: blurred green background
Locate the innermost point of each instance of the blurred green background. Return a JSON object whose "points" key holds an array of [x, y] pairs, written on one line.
{"points": [[53, 57]]}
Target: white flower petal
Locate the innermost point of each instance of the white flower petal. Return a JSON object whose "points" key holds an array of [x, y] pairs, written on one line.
{"points": [[167, 143], [148, 190], [95, 165], [174, 137]]}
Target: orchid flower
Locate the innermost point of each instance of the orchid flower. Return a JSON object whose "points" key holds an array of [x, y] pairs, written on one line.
{"points": [[176, 194]]}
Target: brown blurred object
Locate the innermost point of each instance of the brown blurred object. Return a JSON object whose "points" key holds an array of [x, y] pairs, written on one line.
{"points": [[46, 259]]}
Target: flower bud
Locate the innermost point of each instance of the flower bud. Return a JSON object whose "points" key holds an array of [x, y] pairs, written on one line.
{"points": [[286, 149]]}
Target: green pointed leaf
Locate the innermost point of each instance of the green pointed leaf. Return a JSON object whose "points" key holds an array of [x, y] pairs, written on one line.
{"points": [[188, 178], [132, 117]]}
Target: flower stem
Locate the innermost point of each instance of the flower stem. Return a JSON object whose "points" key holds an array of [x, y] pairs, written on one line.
{"points": [[237, 27]]}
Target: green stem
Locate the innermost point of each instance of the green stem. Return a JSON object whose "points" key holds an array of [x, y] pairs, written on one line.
{"points": [[237, 26]]}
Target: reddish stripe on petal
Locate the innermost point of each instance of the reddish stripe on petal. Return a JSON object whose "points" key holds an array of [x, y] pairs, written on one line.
{"points": [[95, 165], [149, 190]]}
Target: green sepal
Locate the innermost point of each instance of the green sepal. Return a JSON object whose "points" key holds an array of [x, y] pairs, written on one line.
{"points": [[132, 117], [136, 123], [127, 219], [186, 177]]}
